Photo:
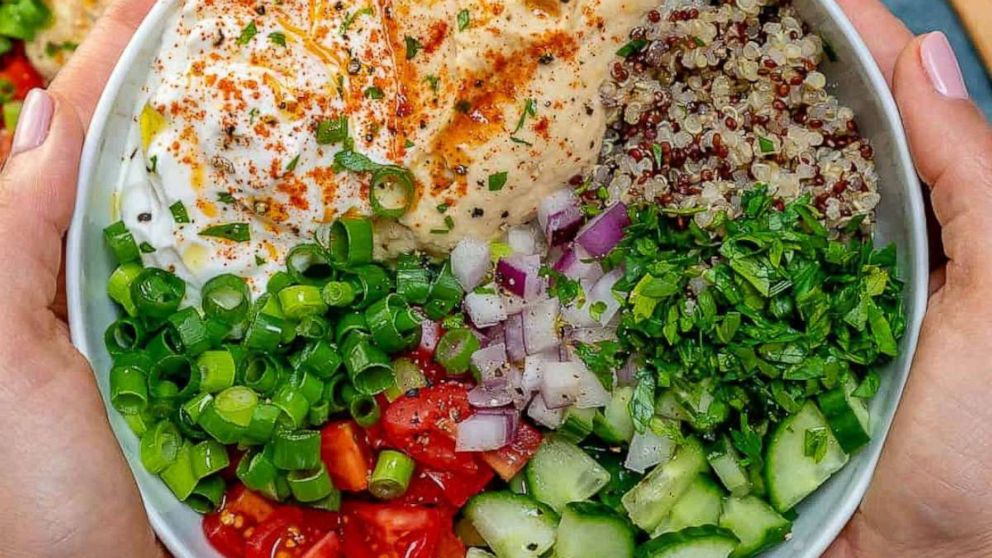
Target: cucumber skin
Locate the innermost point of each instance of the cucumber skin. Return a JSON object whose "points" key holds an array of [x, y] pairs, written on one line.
{"points": [[619, 542], [750, 509], [477, 504], [538, 487], [775, 496], [613, 424], [844, 423], [700, 504], [670, 542], [661, 489]]}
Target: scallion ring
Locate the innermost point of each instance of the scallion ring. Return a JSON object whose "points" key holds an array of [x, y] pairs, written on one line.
{"points": [[392, 192]]}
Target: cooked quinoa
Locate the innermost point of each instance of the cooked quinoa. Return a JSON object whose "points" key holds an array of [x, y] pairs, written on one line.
{"points": [[715, 97]]}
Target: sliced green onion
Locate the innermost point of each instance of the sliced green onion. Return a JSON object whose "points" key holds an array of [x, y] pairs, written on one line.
{"points": [[446, 293], [348, 324], [129, 383], [160, 446], [296, 451], [313, 327], [219, 427], [308, 265], [454, 350], [319, 357], [368, 367], [162, 401], [139, 423], [265, 332], [218, 331], [413, 279], [179, 475], [193, 409], [293, 404], [263, 424], [163, 345], [217, 370], [319, 413], [178, 370], [307, 384], [126, 335], [365, 410], [191, 331], [350, 242], [310, 485], [226, 298], [121, 243], [261, 373], [299, 301], [373, 282], [332, 503], [279, 281], [408, 376], [338, 294], [207, 458], [119, 286], [392, 475], [385, 318], [207, 495], [334, 392], [189, 429], [392, 192], [236, 405], [157, 293], [257, 471]]}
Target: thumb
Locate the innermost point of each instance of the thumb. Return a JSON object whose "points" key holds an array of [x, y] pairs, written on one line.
{"points": [[36, 198], [952, 146]]}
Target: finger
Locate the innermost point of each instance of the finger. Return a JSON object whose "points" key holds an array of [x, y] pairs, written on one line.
{"points": [[885, 35], [81, 81], [952, 147]]}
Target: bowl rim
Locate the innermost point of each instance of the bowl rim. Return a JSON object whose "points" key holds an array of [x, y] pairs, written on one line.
{"points": [[919, 264]]}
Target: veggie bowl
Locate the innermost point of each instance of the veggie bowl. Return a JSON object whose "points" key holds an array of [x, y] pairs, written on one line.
{"points": [[645, 287]]}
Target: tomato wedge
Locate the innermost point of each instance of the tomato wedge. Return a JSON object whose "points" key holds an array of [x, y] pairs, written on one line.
{"points": [[393, 530], [327, 547], [18, 71], [228, 528], [510, 460], [346, 454]]}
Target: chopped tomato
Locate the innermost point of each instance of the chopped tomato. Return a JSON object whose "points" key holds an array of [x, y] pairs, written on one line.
{"points": [[347, 456], [450, 546], [422, 424], [508, 461], [392, 530], [234, 455], [425, 491], [229, 527], [457, 488], [17, 70], [290, 532], [433, 372], [327, 547]]}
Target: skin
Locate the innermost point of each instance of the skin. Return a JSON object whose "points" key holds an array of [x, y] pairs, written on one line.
{"points": [[66, 488]]}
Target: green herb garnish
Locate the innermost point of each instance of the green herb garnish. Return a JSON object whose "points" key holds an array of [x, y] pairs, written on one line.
{"points": [[236, 232]]}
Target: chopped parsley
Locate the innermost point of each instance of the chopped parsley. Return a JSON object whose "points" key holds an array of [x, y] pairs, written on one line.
{"points": [[278, 38], [248, 33], [235, 232], [443, 208], [146, 248], [766, 145], [449, 223], [562, 287], [373, 93], [225, 197], [659, 157], [632, 48], [433, 81], [292, 164], [815, 443], [348, 21], [497, 181], [259, 260], [332, 131], [597, 309], [530, 109], [515, 139], [153, 167], [51, 49], [179, 214], [463, 106], [464, 20], [413, 46], [602, 359]]}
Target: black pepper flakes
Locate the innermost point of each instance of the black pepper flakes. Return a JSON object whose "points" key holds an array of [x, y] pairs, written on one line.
{"points": [[478, 212]]}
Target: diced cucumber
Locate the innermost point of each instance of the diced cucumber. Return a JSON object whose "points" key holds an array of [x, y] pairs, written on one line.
{"points": [[668, 406], [514, 526], [847, 416], [694, 542], [791, 474], [577, 425], [467, 533], [622, 479], [756, 524], [756, 474], [652, 499], [589, 530], [726, 463], [518, 484], [613, 424], [700, 504], [560, 472]]}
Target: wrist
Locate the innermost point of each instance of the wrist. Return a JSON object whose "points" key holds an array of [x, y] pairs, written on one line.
{"points": [[862, 539]]}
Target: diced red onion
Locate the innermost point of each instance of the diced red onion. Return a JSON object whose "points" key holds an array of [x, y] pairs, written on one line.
{"points": [[484, 432], [521, 240], [605, 231], [521, 396], [555, 203], [647, 449], [533, 372], [485, 310], [513, 335], [430, 334], [560, 384], [592, 394], [513, 303], [520, 275], [602, 292], [627, 375], [493, 393], [540, 326], [549, 418], [489, 360], [576, 263], [494, 335], [470, 262], [593, 334], [563, 225]]}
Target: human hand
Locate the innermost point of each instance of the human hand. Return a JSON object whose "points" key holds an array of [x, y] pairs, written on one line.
{"points": [[65, 487], [931, 490]]}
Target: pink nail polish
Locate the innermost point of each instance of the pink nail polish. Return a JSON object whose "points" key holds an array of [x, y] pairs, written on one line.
{"points": [[34, 122], [942, 66]]}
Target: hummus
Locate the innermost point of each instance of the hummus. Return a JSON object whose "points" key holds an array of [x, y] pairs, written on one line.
{"points": [[71, 22], [490, 104]]}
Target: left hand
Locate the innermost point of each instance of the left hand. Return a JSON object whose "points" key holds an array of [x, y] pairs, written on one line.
{"points": [[66, 490]]}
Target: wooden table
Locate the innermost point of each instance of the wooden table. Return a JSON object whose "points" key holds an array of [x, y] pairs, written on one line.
{"points": [[977, 18]]}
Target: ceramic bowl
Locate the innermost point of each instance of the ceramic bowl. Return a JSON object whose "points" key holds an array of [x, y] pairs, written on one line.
{"points": [[854, 78]]}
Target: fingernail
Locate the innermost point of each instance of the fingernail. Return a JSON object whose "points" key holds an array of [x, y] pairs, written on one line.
{"points": [[34, 122], [942, 66]]}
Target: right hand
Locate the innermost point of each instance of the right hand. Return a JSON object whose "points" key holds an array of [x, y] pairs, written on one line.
{"points": [[931, 492]]}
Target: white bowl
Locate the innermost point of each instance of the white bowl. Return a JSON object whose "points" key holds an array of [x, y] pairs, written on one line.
{"points": [[859, 84]]}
